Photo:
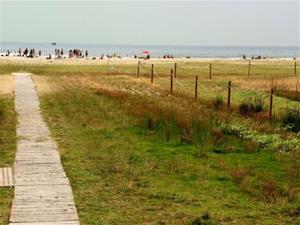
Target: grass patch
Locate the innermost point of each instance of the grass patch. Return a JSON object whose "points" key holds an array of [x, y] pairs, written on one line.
{"points": [[131, 167], [6, 196], [7, 131], [7, 151]]}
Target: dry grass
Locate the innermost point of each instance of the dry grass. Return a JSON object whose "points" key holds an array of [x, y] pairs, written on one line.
{"points": [[43, 85], [6, 85]]}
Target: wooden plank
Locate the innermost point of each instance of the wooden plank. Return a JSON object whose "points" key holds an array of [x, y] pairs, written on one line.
{"points": [[1, 178], [9, 177], [49, 223], [5, 176]]}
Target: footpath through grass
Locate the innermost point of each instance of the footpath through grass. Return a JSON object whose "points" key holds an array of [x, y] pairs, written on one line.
{"points": [[125, 171], [7, 151]]}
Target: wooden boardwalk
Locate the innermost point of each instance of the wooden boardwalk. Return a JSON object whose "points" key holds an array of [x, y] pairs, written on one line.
{"points": [[43, 195]]}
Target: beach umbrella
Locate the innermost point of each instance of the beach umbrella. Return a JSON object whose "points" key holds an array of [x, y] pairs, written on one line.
{"points": [[146, 52]]}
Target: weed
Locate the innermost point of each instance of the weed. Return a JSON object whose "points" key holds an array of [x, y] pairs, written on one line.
{"points": [[218, 102], [203, 219]]}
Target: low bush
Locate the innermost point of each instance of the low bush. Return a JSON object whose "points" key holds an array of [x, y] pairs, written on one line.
{"points": [[291, 119], [253, 105]]}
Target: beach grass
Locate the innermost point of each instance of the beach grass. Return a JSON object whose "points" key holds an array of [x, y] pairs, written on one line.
{"points": [[131, 160], [7, 151]]}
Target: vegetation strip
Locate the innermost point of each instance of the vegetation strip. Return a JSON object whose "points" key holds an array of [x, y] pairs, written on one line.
{"points": [[7, 143], [130, 147]]}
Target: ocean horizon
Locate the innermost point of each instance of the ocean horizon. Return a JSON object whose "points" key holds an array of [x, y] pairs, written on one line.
{"points": [[157, 51]]}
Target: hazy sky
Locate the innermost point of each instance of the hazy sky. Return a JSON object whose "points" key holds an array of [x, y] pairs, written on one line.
{"points": [[251, 23]]}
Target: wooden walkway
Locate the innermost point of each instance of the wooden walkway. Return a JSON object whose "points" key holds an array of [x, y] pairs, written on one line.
{"points": [[42, 191]]}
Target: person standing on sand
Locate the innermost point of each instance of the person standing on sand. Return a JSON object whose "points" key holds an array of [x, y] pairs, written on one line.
{"points": [[86, 53], [25, 52]]}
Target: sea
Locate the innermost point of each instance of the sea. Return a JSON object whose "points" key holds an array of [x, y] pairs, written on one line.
{"points": [[158, 51]]}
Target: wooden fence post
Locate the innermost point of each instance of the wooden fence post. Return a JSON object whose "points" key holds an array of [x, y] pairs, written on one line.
{"points": [[152, 73], [271, 104], [229, 94], [196, 87], [175, 70], [295, 68], [210, 70], [249, 66], [171, 81], [138, 69]]}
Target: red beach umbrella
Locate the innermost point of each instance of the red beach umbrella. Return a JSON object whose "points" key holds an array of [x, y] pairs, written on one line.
{"points": [[146, 52]]}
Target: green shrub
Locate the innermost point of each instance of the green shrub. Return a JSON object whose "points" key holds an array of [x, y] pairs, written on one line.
{"points": [[257, 105], [244, 108], [252, 105], [291, 119]]}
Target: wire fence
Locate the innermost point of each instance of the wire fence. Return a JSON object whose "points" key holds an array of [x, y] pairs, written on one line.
{"points": [[208, 70], [183, 78]]}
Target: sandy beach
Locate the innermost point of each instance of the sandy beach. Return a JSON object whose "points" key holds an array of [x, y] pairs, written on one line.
{"points": [[125, 60]]}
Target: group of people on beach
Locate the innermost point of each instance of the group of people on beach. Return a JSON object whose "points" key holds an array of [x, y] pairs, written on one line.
{"points": [[73, 53], [254, 57], [77, 53], [31, 53], [167, 56]]}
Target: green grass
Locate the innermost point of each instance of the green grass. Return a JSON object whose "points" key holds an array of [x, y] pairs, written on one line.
{"points": [[237, 68], [7, 151], [148, 157], [123, 173], [6, 196]]}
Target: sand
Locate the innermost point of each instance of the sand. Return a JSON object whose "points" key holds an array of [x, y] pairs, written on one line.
{"points": [[125, 60], [6, 85]]}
